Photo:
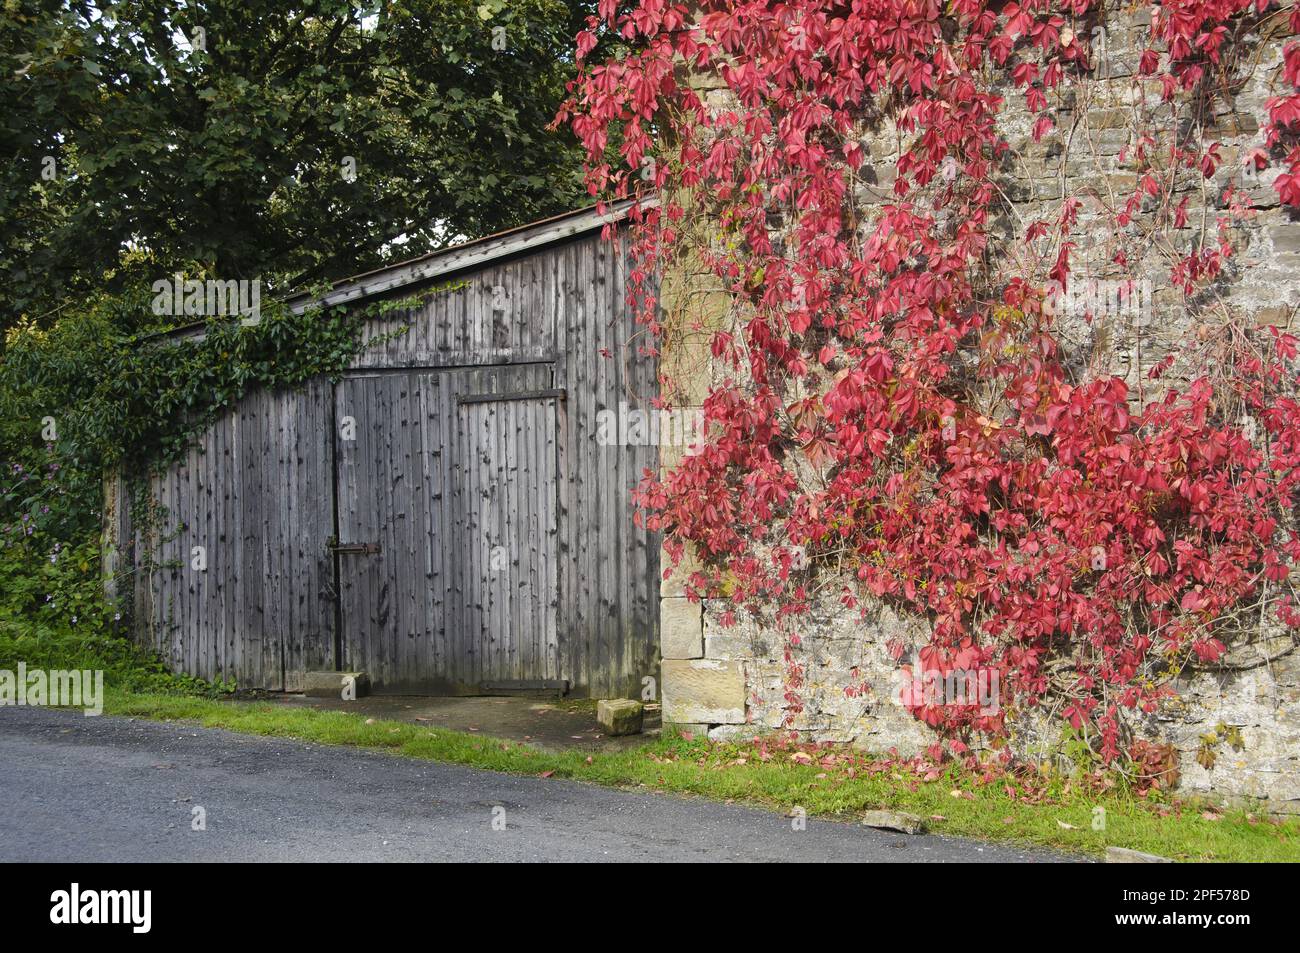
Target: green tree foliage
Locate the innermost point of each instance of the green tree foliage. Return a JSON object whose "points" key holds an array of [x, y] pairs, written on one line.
{"points": [[221, 136]]}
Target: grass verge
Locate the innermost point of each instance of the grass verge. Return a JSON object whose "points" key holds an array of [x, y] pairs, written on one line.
{"points": [[1058, 817], [1053, 814]]}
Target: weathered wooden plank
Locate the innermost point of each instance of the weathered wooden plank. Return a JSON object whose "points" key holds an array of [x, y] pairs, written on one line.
{"points": [[473, 325], [527, 482], [419, 523], [297, 571], [320, 506], [471, 540], [198, 512], [605, 571], [252, 609], [271, 546], [430, 528], [443, 424], [528, 423], [376, 490], [195, 586], [585, 490], [407, 499], [214, 470], [493, 472], [551, 554], [391, 516], [619, 531], [518, 527], [561, 279], [166, 595]]}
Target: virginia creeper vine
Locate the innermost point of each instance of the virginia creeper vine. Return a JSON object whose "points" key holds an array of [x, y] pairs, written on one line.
{"points": [[897, 415]]}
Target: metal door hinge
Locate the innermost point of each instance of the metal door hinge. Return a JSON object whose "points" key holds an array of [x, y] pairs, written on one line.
{"points": [[365, 549]]}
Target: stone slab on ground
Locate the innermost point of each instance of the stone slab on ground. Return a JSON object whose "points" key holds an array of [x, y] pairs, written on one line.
{"points": [[336, 684], [1122, 855], [894, 821]]}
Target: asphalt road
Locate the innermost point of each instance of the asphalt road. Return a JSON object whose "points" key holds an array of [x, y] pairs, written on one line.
{"points": [[81, 789]]}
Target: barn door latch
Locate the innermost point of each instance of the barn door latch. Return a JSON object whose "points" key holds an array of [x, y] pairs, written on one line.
{"points": [[364, 549]]}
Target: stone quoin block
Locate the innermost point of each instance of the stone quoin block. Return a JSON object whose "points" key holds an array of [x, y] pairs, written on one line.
{"points": [[681, 629], [703, 691], [674, 584]]}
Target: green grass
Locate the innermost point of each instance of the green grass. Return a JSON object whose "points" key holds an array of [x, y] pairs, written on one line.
{"points": [[1058, 815], [736, 773]]}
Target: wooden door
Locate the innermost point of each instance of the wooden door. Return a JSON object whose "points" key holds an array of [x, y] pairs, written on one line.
{"points": [[506, 521], [389, 584], [447, 541], [235, 583]]}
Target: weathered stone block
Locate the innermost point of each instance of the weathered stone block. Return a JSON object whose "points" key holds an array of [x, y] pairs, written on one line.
{"points": [[704, 691], [620, 716], [674, 585], [741, 640], [681, 628]]}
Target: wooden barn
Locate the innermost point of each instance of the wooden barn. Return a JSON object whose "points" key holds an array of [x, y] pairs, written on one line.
{"points": [[444, 517]]}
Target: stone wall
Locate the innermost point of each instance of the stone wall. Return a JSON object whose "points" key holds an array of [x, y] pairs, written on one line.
{"points": [[730, 681]]}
